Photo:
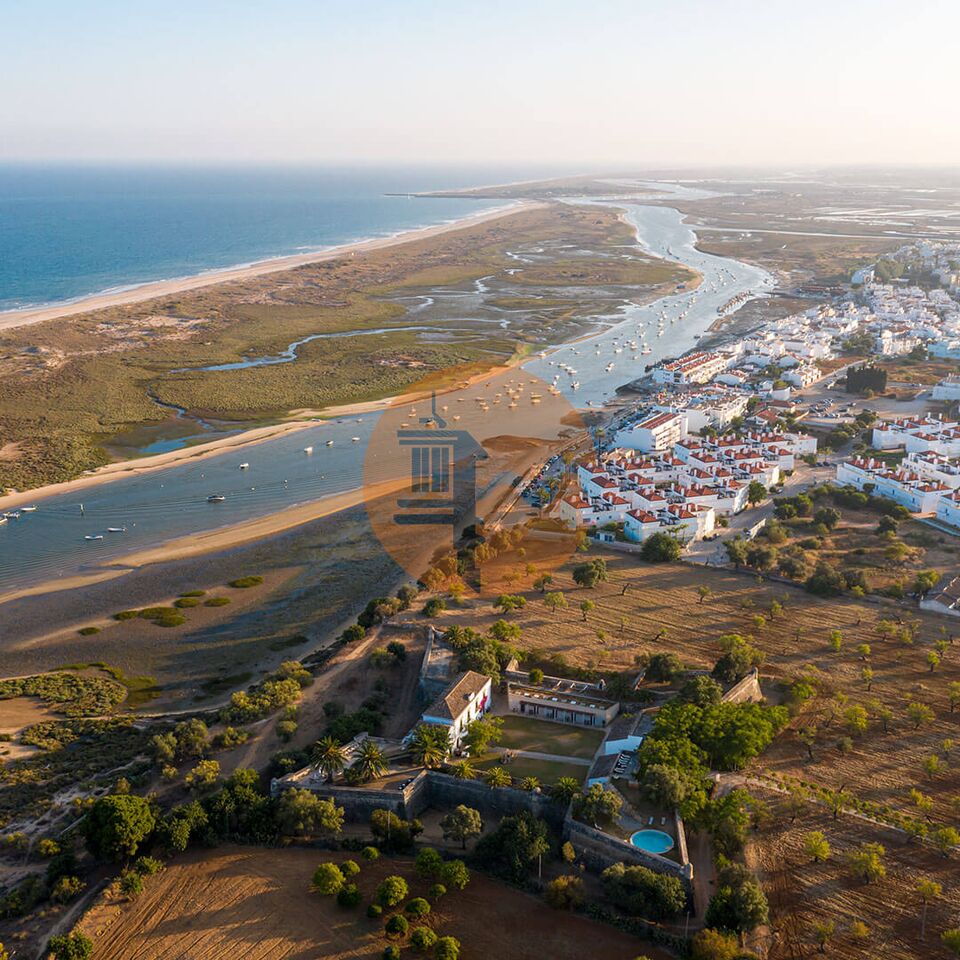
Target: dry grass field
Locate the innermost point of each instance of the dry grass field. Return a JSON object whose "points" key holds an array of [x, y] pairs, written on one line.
{"points": [[645, 609], [254, 904], [804, 894]]}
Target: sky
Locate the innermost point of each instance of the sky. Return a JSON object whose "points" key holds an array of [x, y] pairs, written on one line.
{"points": [[584, 83]]}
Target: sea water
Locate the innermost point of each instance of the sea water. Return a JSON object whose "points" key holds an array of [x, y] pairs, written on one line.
{"points": [[70, 231]]}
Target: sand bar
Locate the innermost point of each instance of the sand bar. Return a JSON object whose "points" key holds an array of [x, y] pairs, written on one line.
{"points": [[213, 541], [162, 288]]}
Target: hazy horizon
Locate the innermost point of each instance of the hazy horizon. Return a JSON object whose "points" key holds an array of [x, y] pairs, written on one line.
{"points": [[611, 84]]}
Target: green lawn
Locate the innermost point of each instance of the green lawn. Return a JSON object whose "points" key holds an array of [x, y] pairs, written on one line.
{"points": [[548, 772], [542, 736]]}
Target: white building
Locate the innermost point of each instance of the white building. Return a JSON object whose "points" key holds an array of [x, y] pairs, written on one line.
{"points": [[917, 494], [466, 699], [694, 368], [657, 432], [948, 389]]}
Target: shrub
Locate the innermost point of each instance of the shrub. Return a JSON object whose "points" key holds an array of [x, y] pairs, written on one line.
{"points": [[660, 548], [126, 615], [391, 953], [437, 891], [148, 866], [564, 893], [455, 874], [88, 631], [374, 911], [216, 602], [244, 583], [349, 895], [417, 907], [194, 593], [391, 891], [185, 603], [422, 939], [434, 606], [349, 868], [397, 925], [66, 888], [370, 853], [429, 864], [447, 948], [71, 946], [116, 826], [131, 884], [641, 892], [327, 879]]}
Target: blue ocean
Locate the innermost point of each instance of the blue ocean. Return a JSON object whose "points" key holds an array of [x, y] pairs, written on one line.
{"points": [[67, 232]]}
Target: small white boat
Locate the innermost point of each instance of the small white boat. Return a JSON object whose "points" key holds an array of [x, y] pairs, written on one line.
{"points": [[93, 536], [354, 439], [308, 449], [3, 520], [30, 509], [329, 444], [244, 466], [116, 529], [216, 498]]}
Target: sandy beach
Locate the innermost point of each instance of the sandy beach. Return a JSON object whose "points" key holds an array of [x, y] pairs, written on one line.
{"points": [[161, 288]]}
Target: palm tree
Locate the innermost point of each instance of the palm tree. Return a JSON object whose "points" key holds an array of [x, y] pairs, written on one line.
{"points": [[530, 783], [430, 745], [565, 789], [498, 777], [463, 770], [371, 763], [329, 757]]}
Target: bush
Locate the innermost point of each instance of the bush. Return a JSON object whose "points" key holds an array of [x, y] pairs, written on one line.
{"points": [[437, 891], [349, 895], [71, 946], [216, 602], [147, 866], [429, 864], [660, 548], [194, 593], [434, 606], [374, 911], [422, 939], [564, 893], [244, 583], [126, 615], [417, 907], [88, 631], [131, 884], [327, 879], [66, 888], [184, 603], [391, 891], [116, 826], [391, 953], [663, 667], [641, 892], [447, 948], [370, 853], [397, 925], [349, 868]]}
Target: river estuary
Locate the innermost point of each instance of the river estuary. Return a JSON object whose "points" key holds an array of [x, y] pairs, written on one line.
{"points": [[155, 507]]}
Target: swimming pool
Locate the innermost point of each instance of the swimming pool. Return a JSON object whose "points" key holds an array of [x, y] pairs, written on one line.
{"points": [[652, 841]]}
